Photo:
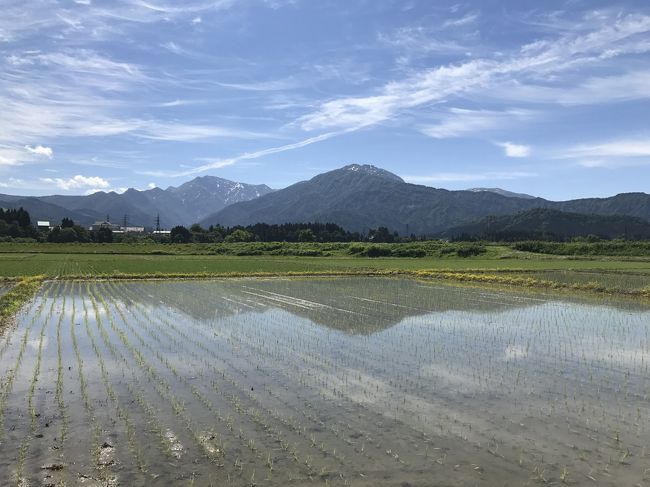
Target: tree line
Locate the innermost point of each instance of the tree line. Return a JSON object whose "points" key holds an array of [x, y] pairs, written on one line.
{"points": [[285, 232], [16, 224]]}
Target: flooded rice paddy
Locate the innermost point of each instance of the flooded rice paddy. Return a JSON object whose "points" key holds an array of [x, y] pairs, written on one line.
{"points": [[322, 382]]}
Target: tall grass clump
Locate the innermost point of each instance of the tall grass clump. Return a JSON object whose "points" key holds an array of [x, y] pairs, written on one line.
{"points": [[22, 292]]}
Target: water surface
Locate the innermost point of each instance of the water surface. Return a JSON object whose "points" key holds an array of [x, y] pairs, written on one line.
{"points": [[326, 381]]}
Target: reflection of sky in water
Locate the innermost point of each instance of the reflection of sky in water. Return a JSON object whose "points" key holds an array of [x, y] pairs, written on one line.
{"points": [[462, 362]]}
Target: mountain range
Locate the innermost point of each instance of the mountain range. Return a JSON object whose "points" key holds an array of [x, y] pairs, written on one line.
{"points": [[544, 223], [357, 197], [361, 197], [182, 205]]}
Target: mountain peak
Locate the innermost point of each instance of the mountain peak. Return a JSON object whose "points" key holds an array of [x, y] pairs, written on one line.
{"points": [[372, 170]]}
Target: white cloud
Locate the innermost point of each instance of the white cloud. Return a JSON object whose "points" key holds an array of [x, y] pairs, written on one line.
{"points": [[614, 148], [459, 122], [12, 183], [632, 85], [41, 151], [97, 190], [180, 132], [78, 182], [151, 185], [613, 153], [443, 177], [514, 150], [13, 156]]}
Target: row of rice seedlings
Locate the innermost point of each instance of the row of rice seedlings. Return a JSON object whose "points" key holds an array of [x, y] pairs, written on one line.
{"points": [[99, 448], [558, 357], [26, 316], [318, 445], [234, 399], [33, 415], [253, 446], [131, 431], [9, 379], [262, 371], [391, 364], [59, 381], [169, 442], [160, 384], [55, 470], [286, 363], [317, 367]]}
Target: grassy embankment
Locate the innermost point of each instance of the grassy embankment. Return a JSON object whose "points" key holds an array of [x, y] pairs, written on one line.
{"points": [[15, 298], [501, 265]]}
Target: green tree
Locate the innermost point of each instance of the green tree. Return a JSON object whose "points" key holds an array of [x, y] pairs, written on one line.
{"points": [[103, 235], [240, 235], [382, 235], [306, 235], [180, 234]]}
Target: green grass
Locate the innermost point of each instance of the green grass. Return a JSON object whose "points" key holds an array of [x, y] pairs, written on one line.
{"points": [[73, 264], [13, 300], [497, 265]]}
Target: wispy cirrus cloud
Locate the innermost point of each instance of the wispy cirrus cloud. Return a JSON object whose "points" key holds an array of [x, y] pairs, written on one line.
{"points": [[82, 93], [445, 177], [229, 161], [612, 153], [556, 57], [460, 122], [272, 85], [467, 19], [632, 85], [415, 41]]}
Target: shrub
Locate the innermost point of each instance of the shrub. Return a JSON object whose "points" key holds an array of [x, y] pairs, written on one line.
{"points": [[470, 250], [378, 251]]}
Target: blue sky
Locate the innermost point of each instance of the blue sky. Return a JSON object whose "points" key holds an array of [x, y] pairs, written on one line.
{"points": [[550, 98]]}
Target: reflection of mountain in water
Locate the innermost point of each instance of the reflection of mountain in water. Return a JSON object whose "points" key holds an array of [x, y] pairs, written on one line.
{"points": [[354, 305]]}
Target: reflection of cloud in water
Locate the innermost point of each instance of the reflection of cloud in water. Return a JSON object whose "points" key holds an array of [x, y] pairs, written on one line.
{"points": [[354, 305], [515, 352], [627, 357], [34, 343], [459, 382]]}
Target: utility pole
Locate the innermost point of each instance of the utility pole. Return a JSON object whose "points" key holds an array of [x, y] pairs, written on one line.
{"points": [[158, 223], [124, 222]]}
